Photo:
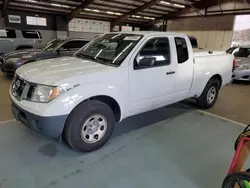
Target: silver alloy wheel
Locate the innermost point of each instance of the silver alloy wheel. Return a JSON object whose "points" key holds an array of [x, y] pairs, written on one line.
{"points": [[211, 95], [94, 128]]}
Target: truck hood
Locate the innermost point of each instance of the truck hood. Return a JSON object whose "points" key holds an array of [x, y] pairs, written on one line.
{"points": [[59, 71]]}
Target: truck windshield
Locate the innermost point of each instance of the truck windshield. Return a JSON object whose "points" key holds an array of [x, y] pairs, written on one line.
{"points": [[110, 49], [50, 46]]}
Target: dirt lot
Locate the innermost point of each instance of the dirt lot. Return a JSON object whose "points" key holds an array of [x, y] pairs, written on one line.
{"points": [[5, 107], [233, 102]]}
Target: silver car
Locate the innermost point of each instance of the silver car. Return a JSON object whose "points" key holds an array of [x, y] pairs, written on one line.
{"points": [[242, 60], [11, 40]]}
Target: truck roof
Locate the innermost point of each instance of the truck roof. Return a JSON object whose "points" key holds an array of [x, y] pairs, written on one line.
{"points": [[150, 33]]}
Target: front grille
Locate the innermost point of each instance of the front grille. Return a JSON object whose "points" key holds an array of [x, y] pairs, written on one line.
{"points": [[21, 89]]}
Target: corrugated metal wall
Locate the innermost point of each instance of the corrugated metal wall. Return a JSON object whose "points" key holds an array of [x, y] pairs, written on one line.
{"points": [[213, 33]]}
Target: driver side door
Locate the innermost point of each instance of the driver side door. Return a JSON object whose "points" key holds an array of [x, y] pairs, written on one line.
{"points": [[152, 87]]}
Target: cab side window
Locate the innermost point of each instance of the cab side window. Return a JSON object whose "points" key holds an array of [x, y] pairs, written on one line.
{"points": [[182, 50], [30, 34], [157, 48], [11, 33]]}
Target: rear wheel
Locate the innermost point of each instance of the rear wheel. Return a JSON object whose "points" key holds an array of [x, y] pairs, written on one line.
{"points": [[89, 126], [209, 94]]}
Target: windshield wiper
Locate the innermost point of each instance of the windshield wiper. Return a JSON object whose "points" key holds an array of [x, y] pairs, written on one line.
{"points": [[85, 56], [98, 59]]}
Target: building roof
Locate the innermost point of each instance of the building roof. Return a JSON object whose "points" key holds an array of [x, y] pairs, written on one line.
{"points": [[129, 11]]}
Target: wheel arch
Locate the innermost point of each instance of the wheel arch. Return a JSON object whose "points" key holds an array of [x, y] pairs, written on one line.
{"points": [[110, 101], [203, 101], [217, 77], [203, 84]]}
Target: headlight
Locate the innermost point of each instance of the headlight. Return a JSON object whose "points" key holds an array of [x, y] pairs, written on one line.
{"points": [[13, 60], [45, 94], [27, 56]]}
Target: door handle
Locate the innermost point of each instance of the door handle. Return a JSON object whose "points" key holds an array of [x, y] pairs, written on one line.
{"points": [[171, 72]]}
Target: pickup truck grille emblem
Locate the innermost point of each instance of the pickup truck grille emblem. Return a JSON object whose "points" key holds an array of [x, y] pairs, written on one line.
{"points": [[18, 87]]}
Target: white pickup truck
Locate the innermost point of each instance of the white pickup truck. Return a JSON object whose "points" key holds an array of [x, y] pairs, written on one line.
{"points": [[115, 76]]}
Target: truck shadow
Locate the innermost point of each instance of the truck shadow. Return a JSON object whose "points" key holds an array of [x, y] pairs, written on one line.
{"points": [[6, 78], [140, 121], [146, 119], [240, 82]]}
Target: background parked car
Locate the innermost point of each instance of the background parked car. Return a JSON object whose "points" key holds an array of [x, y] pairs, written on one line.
{"points": [[56, 48], [242, 60], [11, 40]]}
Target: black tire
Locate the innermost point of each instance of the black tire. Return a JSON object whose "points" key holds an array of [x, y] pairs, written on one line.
{"points": [[74, 124], [8, 75], [236, 179], [202, 101]]}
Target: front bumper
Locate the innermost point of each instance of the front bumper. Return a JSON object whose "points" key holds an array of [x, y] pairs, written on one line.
{"points": [[50, 126]]}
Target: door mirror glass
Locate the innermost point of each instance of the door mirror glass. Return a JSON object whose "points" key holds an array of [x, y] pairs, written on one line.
{"points": [[146, 62], [154, 53]]}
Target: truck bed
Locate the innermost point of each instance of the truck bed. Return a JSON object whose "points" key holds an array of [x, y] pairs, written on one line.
{"points": [[200, 52]]}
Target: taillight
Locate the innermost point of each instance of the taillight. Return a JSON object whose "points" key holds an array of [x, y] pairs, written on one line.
{"points": [[234, 64]]}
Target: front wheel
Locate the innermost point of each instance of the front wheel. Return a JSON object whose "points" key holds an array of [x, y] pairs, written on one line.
{"points": [[209, 94], [240, 179], [89, 126]]}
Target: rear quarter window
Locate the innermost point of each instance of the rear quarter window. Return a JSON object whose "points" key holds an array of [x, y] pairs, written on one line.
{"points": [[194, 42], [11, 33], [30, 34], [182, 49]]}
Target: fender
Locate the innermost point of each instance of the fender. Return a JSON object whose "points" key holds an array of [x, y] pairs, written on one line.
{"points": [[64, 104], [87, 91], [199, 85]]}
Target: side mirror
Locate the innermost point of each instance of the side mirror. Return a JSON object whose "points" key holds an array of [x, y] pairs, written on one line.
{"points": [[146, 62]]}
